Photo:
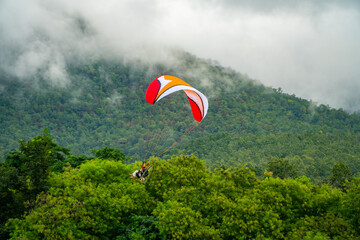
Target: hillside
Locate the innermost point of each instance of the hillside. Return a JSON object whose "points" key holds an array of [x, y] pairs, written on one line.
{"points": [[312, 155], [103, 105]]}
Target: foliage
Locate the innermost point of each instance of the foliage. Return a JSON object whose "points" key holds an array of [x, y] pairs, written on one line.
{"points": [[141, 227], [35, 159], [328, 226], [311, 155], [282, 168], [94, 200], [53, 192], [103, 105], [340, 175], [351, 204], [11, 198], [111, 153], [182, 200], [25, 172]]}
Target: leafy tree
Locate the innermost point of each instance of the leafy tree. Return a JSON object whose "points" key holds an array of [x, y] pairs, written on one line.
{"points": [[350, 205], [324, 199], [74, 161], [111, 153], [180, 222], [141, 227], [184, 200], [34, 162], [328, 226], [11, 198], [24, 175], [97, 199], [282, 168], [174, 174], [340, 175]]}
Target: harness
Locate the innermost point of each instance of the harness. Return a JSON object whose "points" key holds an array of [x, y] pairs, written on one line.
{"points": [[145, 174]]}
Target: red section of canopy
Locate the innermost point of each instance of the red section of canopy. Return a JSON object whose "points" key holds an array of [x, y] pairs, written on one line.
{"points": [[195, 110], [152, 91]]}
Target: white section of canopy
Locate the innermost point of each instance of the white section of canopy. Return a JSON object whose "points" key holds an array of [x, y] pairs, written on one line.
{"points": [[204, 103]]}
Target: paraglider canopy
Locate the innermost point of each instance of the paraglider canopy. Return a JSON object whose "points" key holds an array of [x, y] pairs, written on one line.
{"points": [[164, 85]]}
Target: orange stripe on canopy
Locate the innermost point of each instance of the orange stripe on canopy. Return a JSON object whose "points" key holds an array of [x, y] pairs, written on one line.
{"points": [[164, 85], [174, 82]]}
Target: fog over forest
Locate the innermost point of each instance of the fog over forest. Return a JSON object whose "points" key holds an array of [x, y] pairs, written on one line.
{"points": [[307, 48]]}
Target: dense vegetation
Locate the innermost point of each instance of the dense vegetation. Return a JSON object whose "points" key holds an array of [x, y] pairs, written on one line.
{"points": [[273, 166], [247, 124], [94, 198], [312, 155]]}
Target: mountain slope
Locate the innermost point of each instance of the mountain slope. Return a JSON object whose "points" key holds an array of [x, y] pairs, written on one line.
{"points": [[103, 105]]}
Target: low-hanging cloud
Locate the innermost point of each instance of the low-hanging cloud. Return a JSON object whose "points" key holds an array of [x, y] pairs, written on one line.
{"points": [[309, 48]]}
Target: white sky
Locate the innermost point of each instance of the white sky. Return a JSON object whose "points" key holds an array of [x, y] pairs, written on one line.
{"points": [[308, 48]]}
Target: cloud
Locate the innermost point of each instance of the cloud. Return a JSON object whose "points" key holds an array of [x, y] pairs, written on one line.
{"points": [[309, 48]]}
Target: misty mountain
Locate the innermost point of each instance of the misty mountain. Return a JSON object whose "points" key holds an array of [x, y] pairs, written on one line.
{"points": [[309, 48], [102, 104]]}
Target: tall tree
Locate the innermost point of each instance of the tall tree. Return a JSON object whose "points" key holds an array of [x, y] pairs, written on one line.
{"points": [[282, 168], [340, 174]]}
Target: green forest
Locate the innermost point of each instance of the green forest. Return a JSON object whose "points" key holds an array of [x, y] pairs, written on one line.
{"points": [[263, 164], [48, 193]]}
